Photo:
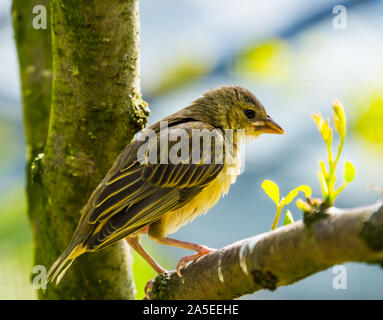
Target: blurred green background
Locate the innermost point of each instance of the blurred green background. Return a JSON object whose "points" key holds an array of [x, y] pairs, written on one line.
{"points": [[289, 54]]}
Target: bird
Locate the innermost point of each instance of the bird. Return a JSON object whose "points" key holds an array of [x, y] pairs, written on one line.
{"points": [[145, 193]]}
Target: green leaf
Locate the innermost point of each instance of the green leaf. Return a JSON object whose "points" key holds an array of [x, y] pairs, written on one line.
{"points": [[349, 172], [339, 118], [324, 127], [304, 206], [292, 194], [288, 218], [323, 183], [323, 168], [272, 190]]}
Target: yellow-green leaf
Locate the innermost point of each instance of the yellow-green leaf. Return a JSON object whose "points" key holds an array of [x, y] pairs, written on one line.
{"points": [[292, 194], [272, 190], [319, 121], [339, 118], [349, 172], [324, 127], [288, 218], [323, 183], [304, 206], [323, 168], [327, 132]]}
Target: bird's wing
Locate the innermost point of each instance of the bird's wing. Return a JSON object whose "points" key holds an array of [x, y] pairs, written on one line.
{"points": [[135, 194]]}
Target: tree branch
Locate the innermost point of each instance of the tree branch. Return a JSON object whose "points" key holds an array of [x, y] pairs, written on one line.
{"points": [[280, 257]]}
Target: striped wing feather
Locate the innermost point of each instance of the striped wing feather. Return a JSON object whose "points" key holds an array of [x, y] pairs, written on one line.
{"points": [[134, 195]]}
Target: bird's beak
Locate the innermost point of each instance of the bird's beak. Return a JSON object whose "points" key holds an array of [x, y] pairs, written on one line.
{"points": [[268, 126]]}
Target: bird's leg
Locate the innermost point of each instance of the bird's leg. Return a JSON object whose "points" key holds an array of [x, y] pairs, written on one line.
{"points": [[133, 242], [200, 249]]}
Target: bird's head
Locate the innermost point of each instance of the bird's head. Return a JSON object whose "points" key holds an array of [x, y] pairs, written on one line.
{"points": [[234, 107]]}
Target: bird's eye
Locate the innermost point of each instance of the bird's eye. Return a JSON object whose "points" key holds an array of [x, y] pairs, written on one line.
{"points": [[249, 113]]}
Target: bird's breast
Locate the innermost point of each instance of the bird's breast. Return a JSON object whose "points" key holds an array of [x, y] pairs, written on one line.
{"points": [[206, 199]]}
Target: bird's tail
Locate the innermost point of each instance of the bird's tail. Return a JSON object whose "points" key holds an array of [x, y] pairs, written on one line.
{"points": [[63, 262]]}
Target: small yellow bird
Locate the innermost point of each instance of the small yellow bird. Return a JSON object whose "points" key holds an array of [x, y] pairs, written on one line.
{"points": [[167, 177]]}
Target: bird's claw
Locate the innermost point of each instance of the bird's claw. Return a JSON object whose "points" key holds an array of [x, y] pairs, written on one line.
{"points": [[181, 264], [148, 288], [202, 251]]}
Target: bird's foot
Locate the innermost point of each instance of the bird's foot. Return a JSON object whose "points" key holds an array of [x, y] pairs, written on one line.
{"points": [[202, 251]]}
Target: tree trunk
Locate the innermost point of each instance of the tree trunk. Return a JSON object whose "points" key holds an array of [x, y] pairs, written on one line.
{"points": [[96, 109], [35, 63]]}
